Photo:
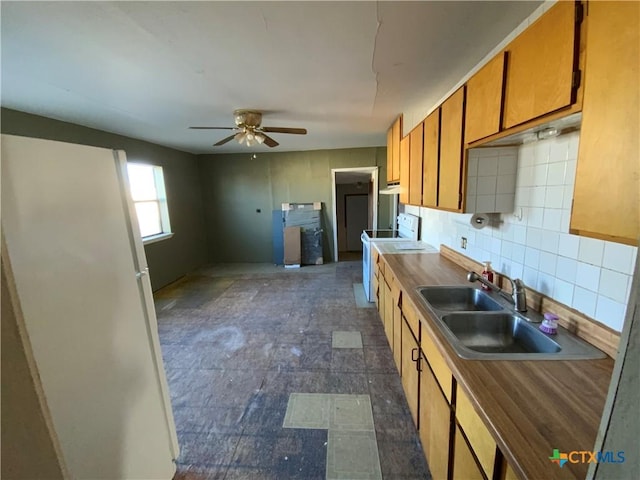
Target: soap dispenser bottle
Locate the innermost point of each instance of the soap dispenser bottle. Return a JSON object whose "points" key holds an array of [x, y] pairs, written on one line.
{"points": [[487, 274]]}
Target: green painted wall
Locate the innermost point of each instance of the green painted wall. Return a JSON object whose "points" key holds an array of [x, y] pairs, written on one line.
{"points": [[169, 259], [235, 186], [213, 198]]}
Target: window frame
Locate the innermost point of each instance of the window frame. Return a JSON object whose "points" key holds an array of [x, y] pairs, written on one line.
{"points": [[161, 200]]}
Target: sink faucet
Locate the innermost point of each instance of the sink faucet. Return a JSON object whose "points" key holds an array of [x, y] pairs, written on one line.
{"points": [[518, 295]]}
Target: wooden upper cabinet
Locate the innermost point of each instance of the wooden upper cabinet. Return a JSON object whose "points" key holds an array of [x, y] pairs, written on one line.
{"points": [[484, 100], [606, 199], [540, 66], [431, 159], [393, 151], [415, 164], [390, 148], [451, 152], [404, 170]]}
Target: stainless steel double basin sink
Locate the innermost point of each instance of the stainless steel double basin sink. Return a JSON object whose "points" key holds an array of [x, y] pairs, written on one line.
{"points": [[481, 326]]}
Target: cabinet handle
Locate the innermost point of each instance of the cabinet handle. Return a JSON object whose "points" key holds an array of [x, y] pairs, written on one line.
{"points": [[413, 354]]}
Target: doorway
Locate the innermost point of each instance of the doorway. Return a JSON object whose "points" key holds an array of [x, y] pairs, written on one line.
{"points": [[355, 208]]}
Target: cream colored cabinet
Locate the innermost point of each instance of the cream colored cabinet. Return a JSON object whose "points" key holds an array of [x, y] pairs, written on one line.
{"points": [[451, 152], [387, 316], [404, 169], [394, 135], [484, 100], [480, 439], [464, 466], [438, 366], [415, 164], [396, 294], [410, 366], [435, 422], [431, 159], [606, 198], [541, 64]]}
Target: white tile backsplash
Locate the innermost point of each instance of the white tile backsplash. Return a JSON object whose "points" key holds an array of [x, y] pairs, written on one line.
{"points": [[620, 258], [588, 276], [593, 276], [591, 251], [614, 285]]}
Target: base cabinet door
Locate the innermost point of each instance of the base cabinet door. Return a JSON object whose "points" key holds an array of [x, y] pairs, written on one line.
{"points": [[464, 465], [435, 422], [476, 432], [388, 313], [410, 374], [396, 293]]}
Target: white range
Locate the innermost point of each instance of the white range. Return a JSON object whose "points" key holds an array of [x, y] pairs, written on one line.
{"points": [[405, 239]]}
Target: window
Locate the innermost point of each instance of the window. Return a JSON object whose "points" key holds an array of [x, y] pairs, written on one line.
{"points": [[150, 200]]}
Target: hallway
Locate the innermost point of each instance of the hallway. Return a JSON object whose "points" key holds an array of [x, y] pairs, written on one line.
{"points": [[238, 340]]}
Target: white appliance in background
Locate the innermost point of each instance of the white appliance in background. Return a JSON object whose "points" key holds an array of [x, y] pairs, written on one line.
{"points": [[82, 285], [408, 228]]}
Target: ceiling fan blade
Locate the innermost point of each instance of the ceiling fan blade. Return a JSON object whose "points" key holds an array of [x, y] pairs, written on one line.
{"points": [[224, 140], [270, 142], [212, 128], [297, 131]]}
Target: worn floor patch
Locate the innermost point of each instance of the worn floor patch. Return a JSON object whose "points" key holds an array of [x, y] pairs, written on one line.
{"points": [[352, 455], [307, 410], [346, 339]]}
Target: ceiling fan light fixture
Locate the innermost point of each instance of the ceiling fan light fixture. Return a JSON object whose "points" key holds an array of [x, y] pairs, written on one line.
{"points": [[260, 138], [240, 137]]}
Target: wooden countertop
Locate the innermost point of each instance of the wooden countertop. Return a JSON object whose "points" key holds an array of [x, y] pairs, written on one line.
{"points": [[530, 407]]}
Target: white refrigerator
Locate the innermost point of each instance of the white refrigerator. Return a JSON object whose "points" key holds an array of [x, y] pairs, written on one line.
{"points": [[80, 275]]}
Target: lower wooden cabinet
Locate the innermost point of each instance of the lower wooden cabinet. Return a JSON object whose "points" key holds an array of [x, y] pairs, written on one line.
{"points": [[396, 294], [464, 465], [376, 291], [410, 374], [438, 365], [387, 316], [478, 435], [435, 422]]}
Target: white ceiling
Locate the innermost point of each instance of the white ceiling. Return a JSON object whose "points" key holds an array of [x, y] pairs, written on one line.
{"points": [[149, 70]]}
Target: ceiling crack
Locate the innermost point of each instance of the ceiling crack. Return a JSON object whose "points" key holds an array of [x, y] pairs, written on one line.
{"points": [[373, 57]]}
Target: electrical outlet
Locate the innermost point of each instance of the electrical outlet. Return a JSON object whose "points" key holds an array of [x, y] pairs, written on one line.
{"points": [[463, 242]]}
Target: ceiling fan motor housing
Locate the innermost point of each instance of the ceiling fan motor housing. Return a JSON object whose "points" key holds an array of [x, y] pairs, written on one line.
{"points": [[247, 118]]}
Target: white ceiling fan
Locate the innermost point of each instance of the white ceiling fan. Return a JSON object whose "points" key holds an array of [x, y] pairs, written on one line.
{"points": [[249, 131]]}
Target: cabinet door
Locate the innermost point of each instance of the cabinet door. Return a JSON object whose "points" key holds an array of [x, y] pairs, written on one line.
{"points": [[381, 297], [605, 201], [410, 364], [388, 311], [450, 176], [438, 365], [397, 135], [396, 293], [464, 465], [404, 170], [415, 164], [484, 100], [431, 159], [390, 148], [435, 420], [540, 66], [477, 433], [376, 292]]}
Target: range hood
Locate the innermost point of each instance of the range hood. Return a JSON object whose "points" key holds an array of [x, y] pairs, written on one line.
{"points": [[390, 190]]}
